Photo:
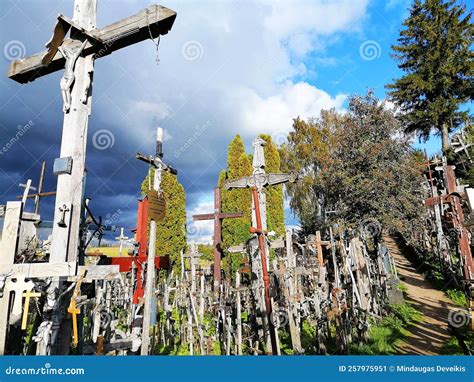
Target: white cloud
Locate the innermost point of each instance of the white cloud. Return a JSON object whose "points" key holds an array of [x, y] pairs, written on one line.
{"points": [[202, 231], [299, 22], [158, 110], [274, 114], [244, 79]]}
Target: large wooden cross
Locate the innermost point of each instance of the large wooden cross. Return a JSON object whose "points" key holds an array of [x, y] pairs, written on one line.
{"points": [[217, 216], [258, 181], [156, 212], [76, 55]]}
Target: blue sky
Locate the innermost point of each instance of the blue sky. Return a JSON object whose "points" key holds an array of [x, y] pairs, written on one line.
{"points": [[225, 68]]}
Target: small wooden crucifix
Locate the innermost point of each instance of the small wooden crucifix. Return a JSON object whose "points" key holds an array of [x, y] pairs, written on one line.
{"points": [[217, 216]]}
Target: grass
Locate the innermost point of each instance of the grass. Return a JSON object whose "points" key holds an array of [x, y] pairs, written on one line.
{"points": [[453, 347], [402, 287], [384, 336], [458, 297]]}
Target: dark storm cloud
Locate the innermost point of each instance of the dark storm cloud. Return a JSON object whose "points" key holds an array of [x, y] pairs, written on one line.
{"points": [[214, 79], [114, 175]]}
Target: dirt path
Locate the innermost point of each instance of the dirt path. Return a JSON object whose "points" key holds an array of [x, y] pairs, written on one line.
{"points": [[429, 335]]}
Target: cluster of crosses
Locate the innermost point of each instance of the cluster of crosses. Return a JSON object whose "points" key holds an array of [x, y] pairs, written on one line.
{"points": [[57, 284], [333, 282], [449, 230]]}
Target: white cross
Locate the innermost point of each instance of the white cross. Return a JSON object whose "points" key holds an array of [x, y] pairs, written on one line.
{"points": [[27, 188], [122, 238]]}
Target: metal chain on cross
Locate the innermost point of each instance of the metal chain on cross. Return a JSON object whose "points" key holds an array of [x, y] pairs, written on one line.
{"points": [[157, 43]]}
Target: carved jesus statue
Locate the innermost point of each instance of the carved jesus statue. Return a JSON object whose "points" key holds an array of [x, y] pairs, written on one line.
{"points": [[71, 56], [258, 155]]}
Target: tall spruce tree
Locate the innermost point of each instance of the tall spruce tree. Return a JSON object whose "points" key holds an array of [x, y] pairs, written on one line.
{"points": [[435, 53], [171, 231]]}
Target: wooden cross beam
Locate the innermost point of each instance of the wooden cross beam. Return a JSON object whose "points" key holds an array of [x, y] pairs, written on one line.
{"points": [[39, 270], [217, 216], [38, 195], [148, 23]]}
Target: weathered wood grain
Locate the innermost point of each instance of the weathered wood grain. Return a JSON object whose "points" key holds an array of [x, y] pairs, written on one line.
{"points": [[154, 20]]}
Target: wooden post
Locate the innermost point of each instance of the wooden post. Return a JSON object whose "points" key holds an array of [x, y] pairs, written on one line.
{"points": [[70, 187], [150, 279], [239, 313], [11, 232], [27, 188], [8, 248], [159, 166], [201, 312], [290, 293], [40, 188]]}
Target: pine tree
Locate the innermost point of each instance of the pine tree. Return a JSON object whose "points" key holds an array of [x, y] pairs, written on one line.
{"points": [[171, 231], [435, 53], [274, 194]]}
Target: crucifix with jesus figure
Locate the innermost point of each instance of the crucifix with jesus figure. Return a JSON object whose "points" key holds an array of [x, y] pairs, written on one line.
{"points": [[75, 55]]}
